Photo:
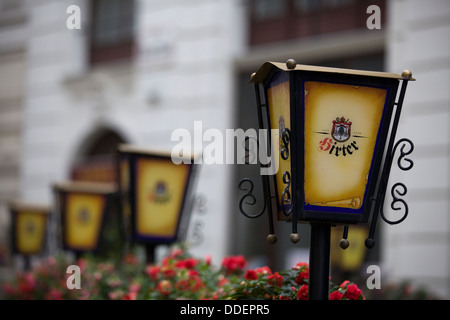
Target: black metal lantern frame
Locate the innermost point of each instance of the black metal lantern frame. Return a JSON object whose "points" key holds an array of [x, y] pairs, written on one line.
{"points": [[129, 176], [16, 208], [290, 202]]}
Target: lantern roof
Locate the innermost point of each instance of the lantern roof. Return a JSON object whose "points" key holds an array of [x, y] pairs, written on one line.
{"points": [[126, 148], [268, 68], [86, 186], [17, 205]]}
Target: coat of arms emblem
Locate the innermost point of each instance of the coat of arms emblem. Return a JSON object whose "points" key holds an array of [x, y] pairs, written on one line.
{"points": [[160, 193], [83, 215], [341, 130]]}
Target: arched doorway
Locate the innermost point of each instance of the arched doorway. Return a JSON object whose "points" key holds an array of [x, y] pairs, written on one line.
{"points": [[95, 161]]}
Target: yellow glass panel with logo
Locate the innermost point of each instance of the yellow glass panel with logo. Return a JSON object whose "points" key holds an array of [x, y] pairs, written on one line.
{"points": [[30, 227], [84, 216], [341, 126], [161, 187]]}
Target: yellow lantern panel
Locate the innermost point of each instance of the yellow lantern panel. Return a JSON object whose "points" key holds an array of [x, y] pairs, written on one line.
{"points": [[84, 215], [341, 126], [279, 110], [351, 258], [161, 186], [30, 231]]}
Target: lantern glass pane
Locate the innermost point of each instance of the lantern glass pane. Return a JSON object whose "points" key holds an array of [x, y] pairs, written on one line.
{"points": [[342, 125], [84, 215], [278, 97], [124, 175], [30, 230], [161, 186]]}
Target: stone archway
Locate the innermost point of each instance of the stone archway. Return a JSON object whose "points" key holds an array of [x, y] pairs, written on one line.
{"points": [[96, 157], [96, 162]]}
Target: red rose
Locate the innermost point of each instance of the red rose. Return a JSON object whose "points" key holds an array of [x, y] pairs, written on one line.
{"points": [[302, 293], [130, 296], [188, 263], [153, 272], [302, 276], [353, 292], [234, 263], [251, 275], [263, 270], [164, 287], [299, 265], [336, 295], [275, 279]]}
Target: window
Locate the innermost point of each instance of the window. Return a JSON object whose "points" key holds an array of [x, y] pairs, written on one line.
{"points": [[112, 30], [273, 21], [267, 9]]}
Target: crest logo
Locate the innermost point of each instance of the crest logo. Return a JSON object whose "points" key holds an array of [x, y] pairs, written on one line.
{"points": [[159, 193], [341, 130], [83, 215], [30, 227]]}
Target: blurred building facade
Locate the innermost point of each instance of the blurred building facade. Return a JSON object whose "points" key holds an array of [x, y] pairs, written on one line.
{"points": [[137, 70]]}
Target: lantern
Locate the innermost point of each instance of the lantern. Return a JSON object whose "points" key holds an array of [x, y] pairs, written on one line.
{"points": [[155, 195], [29, 225], [82, 207], [331, 133]]}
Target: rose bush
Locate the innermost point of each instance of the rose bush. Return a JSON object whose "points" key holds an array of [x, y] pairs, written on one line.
{"points": [[178, 275]]}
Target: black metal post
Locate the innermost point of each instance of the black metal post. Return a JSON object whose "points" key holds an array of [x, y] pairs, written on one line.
{"points": [[26, 263], [150, 253], [319, 261]]}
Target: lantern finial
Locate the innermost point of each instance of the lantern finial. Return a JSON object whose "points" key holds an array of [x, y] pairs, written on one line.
{"points": [[406, 74], [294, 237], [291, 64]]}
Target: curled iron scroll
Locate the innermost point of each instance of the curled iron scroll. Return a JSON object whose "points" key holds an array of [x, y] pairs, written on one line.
{"points": [[286, 194], [285, 138], [249, 199], [403, 153], [399, 190]]}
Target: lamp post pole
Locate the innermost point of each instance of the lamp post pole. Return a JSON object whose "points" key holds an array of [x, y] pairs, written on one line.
{"points": [[150, 253], [319, 261]]}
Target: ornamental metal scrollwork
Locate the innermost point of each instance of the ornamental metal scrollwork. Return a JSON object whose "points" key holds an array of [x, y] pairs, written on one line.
{"points": [[403, 153], [285, 139], [286, 194], [396, 193], [249, 199]]}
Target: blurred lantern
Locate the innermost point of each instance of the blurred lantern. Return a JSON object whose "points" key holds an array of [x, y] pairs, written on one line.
{"points": [[28, 229], [351, 259], [331, 133], [82, 207], [155, 195]]}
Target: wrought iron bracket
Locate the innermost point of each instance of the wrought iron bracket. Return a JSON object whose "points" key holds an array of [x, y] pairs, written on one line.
{"points": [[249, 198], [398, 190]]}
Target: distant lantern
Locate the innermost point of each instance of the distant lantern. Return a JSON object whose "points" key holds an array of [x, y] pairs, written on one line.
{"points": [[29, 226], [155, 195]]}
